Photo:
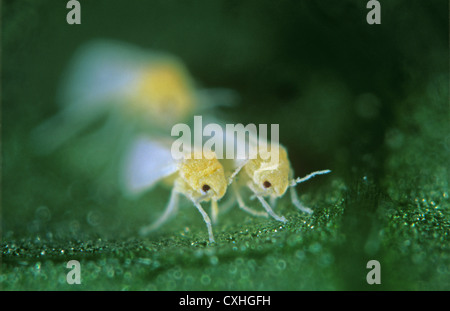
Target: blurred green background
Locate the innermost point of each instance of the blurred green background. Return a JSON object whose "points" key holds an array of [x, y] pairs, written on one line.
{"points": [[369, 102]]}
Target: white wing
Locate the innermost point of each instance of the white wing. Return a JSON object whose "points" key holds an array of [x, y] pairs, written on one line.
{"points": [[107, 70], [99, 76], [55, 131], [103, 74], [147, 163], [100, 71]]}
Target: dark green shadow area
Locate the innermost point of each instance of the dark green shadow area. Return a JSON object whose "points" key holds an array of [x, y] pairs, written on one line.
{"points": [[369, 102]]}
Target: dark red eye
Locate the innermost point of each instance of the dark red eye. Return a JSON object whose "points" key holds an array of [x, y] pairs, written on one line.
{"points": [[267, 184], [205, 188]]}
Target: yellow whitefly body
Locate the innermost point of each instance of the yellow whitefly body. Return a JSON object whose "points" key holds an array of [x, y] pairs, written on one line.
{"points": [[268, 177], [203, 176], [199, 176], [164, 95]]}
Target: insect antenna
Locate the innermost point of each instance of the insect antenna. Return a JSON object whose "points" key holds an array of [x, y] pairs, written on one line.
{"points": [[299, 180]]}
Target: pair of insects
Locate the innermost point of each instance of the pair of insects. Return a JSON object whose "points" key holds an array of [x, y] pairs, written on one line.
{"points": [[203, 178], [145, 92]]}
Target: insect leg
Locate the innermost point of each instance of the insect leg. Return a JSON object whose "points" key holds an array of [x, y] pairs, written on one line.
{"points": [[270, 211], [297, 203], [214, 211], [228, 204], [273, 201], [266, 205], [171, 209], [236, 171], [242, 205], [206, 219]]}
